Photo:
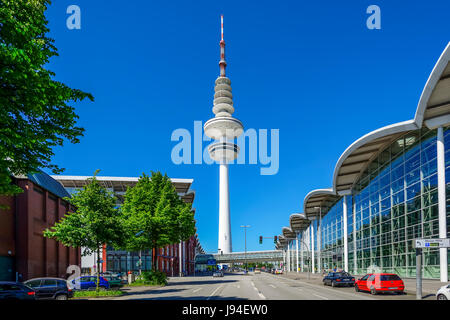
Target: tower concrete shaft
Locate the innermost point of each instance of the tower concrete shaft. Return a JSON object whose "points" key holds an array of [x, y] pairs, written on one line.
{"points": [[224, 211]]}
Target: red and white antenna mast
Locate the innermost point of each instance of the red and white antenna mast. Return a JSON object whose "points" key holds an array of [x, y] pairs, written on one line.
{"points": [[222, 62]]}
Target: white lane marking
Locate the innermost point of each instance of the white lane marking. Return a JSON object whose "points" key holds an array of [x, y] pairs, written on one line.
{"points": [[197, 290], [272, 286], [214, 292], [318, 296], [259, 292]]}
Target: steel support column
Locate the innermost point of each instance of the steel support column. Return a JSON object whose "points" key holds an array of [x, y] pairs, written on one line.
{"points": [[442, 202]]}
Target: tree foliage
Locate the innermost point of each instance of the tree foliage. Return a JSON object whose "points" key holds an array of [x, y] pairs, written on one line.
{"points": [[95, 222], [154, 215], [35, 110]]}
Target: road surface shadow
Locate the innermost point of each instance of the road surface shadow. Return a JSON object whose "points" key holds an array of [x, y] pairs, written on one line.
{"points": [[178, 283], [153, 291]]}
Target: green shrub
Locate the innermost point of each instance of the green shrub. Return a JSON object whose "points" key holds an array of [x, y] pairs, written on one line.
{"points": [[97, 294], [153, 278]]}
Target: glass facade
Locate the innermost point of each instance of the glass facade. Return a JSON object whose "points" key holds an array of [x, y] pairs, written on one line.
{"points": [[123, 261], [332, 247], [394, 202]]}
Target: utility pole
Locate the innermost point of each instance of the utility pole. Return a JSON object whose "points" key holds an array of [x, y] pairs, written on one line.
{"points": [[245, 245]]}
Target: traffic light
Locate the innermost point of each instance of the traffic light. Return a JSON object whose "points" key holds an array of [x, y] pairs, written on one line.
{"points": [[260, 239], [275, 239]]}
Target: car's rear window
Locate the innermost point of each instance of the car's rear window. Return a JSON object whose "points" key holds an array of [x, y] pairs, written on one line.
{"points": [[389, 277], [49, 283], [62, 283], [33, 283], [342, 274]]}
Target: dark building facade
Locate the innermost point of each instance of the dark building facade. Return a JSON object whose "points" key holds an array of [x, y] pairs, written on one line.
{"points": [[24, 252]]}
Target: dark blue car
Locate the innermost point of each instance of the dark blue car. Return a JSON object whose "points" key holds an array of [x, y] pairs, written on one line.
{"points": [[88, 282], [335, 279], [15, 291]]}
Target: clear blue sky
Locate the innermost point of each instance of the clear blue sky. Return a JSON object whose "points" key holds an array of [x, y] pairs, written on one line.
{"points": [[311, 69]]}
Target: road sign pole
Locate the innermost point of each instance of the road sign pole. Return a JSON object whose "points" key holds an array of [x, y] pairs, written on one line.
{"points": [[418, 273]]}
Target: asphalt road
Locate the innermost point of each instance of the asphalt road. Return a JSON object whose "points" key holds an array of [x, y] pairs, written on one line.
{"points": [[250, 287]]}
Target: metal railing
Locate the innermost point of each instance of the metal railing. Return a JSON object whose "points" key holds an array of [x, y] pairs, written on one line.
{"points": [[274, 255]]}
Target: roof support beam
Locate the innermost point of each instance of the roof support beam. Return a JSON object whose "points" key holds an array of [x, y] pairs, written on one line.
{"points": [[353, 163], [349, 173]]}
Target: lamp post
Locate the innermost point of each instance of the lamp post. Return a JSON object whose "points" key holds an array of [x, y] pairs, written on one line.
{"points": [[245, 245], [307, 248]]}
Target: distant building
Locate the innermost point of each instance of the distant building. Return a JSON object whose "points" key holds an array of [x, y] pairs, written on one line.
{"points": [[124, 261], [24, 252]]}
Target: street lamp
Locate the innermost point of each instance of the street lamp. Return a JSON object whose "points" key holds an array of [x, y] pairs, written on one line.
{"points": [[245, 245], [307, 248]]}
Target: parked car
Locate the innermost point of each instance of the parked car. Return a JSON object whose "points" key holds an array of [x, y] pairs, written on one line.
{"points": [[218, 273], [113, 281], [50, 288], [278, 271], [443, 293], [335, 279], [88, 282], [15, 291], [380, 282], [257, 271], [110, 273]]}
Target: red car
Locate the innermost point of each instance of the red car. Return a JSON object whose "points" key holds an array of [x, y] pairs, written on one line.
{"points": [[380, 282]]}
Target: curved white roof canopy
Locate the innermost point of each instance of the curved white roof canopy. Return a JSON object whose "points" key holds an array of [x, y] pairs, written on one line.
{"points": [[435, 99], [298, 222], [282, 240], [288, 233], [320, 198], [433, 110]]}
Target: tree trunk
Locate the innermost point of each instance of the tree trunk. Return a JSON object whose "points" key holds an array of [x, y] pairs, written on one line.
{"points": [[154, 259], [140, 262], [98, 268]]}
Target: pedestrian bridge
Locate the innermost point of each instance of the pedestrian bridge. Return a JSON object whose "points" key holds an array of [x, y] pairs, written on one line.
{"points": [[250, 256]]}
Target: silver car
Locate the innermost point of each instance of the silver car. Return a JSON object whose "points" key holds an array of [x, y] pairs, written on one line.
{"points": [[218, 273]]}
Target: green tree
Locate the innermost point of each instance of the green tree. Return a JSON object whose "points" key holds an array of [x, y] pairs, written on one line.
{"points": [[95, 222], [154, 215], [35, 111]]}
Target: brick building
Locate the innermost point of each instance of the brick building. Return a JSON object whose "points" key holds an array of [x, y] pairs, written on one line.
{"points": [[169, 257], [24, 252]]}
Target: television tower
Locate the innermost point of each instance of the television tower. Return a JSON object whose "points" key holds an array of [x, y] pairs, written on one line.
{"points": [[223, 127]]}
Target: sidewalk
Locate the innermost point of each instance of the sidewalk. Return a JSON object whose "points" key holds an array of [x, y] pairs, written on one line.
{"points": [[428, 286]]}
